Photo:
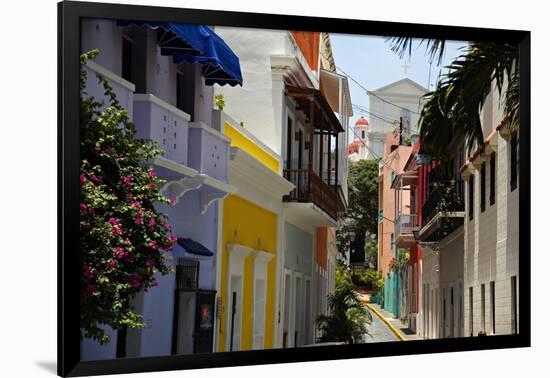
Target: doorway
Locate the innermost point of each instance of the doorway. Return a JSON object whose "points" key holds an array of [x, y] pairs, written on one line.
{"points": [[235, 309]]}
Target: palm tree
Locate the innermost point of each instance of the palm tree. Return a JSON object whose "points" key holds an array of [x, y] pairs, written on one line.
{"points": [[453, 108], [348, 317]]}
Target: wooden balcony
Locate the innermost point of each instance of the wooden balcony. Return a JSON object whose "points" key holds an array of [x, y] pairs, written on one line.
{"points": [[310, 188]]}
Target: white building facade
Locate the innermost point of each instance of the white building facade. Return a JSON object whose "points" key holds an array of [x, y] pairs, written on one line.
{"points": [[492, 230], [389, 104]]}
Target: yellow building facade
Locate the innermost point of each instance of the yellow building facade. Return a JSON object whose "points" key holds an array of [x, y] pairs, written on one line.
{"points": [[251, 246]]}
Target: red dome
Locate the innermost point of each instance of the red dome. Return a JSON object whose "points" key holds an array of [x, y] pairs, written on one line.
{"points": [[362, 122]]}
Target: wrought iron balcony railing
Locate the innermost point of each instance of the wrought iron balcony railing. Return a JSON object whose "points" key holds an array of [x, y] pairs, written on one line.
{"points": [[443, 196], [310, 188]]}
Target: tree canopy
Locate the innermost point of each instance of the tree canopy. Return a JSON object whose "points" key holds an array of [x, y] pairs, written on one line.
{"points": [[361, 214]]}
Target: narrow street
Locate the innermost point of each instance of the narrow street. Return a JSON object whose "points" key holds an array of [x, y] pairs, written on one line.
{"points": [[378, 331]]}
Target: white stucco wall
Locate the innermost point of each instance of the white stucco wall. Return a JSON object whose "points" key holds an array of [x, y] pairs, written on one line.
{"points": [[160, 72], [492, 247], [403, 94], [492, 238], [451, 284], [252, 103]]}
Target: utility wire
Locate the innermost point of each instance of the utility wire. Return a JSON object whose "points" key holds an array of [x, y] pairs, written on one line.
{"points": [[374, 115], [367, 91]]}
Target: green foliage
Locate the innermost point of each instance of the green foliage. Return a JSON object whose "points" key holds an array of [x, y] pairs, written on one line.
{"points": [[435, 48], [123, 238], [453, 109], [370, 278], [348, 316], [220, 101], [400, 263], [371, 253], [448, 201], [361, 213]]}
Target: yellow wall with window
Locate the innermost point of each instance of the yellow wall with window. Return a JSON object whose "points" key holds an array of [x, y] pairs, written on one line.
{"points": [[252, 226]]}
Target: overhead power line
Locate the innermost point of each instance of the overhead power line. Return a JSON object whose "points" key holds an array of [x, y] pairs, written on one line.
{"points": [[363, 110], [370, 92]]}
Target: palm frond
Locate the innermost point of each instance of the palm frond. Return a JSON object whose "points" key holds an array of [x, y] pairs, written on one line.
{"points": [[402, 46], [453, 109]]}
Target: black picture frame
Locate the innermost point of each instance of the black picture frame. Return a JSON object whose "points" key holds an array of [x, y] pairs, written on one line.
{"points": [[69, 15]]}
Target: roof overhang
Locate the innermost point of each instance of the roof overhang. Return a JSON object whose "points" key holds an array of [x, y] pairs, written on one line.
{"points": [[307, 214], [245, 168], [295, 69], [311, 99], [404, 179], [335, 88]]}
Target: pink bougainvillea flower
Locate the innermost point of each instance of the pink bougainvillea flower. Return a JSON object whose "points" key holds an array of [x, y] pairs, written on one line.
{"points": [[127, 181], [139, 220], [113, 264], [136, 204], [151, 186], [152, 174], [83, 208], [150, 263], [151, 223], [170, 244], [172, 200], [97, 149], [113, 221], [83, 179], [97, 178], [135, 282], [120, 253], [153, 245], [117, 230]]}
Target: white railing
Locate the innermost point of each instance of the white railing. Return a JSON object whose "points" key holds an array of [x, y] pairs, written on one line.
{"points": [[406, 224]]}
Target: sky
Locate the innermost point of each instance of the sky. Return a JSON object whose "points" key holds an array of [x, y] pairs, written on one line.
{"points": [[370, 61]]}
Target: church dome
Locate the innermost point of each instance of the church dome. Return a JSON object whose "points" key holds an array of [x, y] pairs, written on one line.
{"points": [[362, 122]]}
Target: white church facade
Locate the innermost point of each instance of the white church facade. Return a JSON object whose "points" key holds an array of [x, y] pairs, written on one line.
{"points": [[388, 105]]}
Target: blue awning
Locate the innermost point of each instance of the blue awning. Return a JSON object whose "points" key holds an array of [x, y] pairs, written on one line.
{"points": [[197, 44], [193, 247]]}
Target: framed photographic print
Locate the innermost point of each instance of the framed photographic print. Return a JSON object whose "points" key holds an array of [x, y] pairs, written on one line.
{"points": [[241, 188]]}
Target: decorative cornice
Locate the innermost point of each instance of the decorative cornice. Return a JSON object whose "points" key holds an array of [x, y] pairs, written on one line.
{"points": [[262, 256], [239, 250]]}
